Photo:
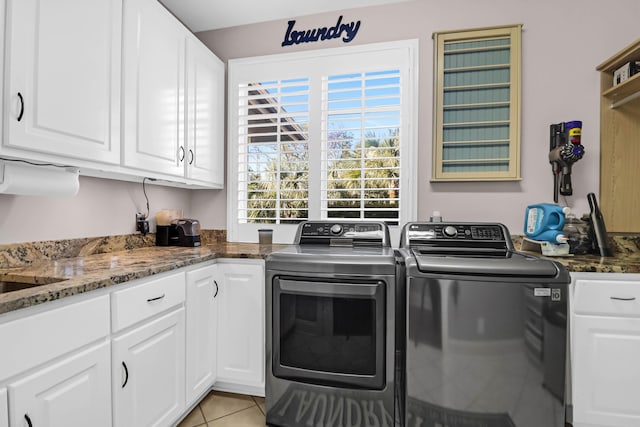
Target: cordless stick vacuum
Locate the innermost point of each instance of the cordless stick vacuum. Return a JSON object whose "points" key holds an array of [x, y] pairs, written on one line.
{"points": [[564, 150]]}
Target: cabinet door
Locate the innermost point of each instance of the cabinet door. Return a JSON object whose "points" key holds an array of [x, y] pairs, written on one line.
{"points": [[75, 392], [241, 312], [4, 411], [63, 78], [606, 372], [205, 115], [202, 292], [148, 373], [153, 70]]}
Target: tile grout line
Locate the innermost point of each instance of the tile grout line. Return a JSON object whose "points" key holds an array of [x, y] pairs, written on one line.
{"points": [[229, 414], [258, 405], [202, 413]]}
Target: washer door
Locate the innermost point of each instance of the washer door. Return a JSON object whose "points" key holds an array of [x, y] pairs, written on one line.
{"points": [[329, 333]]}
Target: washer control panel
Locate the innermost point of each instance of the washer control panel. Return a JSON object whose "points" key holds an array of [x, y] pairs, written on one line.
{"points": [[334, 232]]}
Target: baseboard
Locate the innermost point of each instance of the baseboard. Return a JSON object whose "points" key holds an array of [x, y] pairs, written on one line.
{"points": [[239, 388]]}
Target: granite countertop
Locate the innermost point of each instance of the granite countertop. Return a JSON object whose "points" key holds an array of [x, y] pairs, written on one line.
{"points": [[65, 268], [625, 259], [70, 276]]}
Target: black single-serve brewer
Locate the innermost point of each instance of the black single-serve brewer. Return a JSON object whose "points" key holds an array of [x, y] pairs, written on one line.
{"points": [[180, 232]]}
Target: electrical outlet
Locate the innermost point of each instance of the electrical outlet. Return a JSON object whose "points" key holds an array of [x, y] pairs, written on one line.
{"points": [[142, 225]]}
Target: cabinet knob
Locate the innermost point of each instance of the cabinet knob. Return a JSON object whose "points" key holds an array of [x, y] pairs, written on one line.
{"points": [[216, 283], [181, 153], [190, 157]]}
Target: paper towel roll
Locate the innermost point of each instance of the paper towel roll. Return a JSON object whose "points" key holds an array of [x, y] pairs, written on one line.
{"points": [[31, 180]]}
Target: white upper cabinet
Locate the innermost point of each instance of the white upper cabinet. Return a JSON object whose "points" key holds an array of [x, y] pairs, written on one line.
{"points": [[62, 91], [120, 89], [154, 88], [205, 107], [173, 98]]}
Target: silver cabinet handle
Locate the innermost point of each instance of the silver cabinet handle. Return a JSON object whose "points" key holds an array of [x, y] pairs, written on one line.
{"points": [[155, 299], [624, 299]]}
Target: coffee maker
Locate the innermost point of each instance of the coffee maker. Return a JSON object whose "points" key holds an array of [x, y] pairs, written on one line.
{"points": [[184, 232], [171, 231]]}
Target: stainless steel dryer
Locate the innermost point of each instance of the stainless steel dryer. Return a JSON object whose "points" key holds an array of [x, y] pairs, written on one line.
{"points": [[486, 329], [331, 344]]}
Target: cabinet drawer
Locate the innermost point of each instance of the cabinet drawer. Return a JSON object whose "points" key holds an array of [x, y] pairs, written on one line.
{"points": [[146, 299], [33, 340], [607, 298]]}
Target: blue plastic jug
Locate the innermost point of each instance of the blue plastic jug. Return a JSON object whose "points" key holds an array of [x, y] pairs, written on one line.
{"points": [[544, 217]]}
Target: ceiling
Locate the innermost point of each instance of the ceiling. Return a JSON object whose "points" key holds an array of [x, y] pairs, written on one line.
{"points": [[202, 15]]}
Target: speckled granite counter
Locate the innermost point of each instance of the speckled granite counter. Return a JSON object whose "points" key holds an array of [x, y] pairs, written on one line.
{"points": [[626, 259], [86, 273], [83, 265]]}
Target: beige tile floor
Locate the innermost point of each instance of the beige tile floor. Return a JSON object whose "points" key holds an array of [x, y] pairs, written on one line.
{"points": [[220, 409]]}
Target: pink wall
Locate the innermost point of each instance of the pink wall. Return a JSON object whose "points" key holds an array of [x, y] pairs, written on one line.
{"points": [[563, 42], [101, 208]]}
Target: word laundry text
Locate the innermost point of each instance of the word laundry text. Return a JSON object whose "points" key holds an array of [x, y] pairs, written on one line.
{"points": [[307, 36]]}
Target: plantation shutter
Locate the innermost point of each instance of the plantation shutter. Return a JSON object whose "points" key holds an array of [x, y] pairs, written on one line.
{"points": [[326, 134], [273, 130], [477, 109], [361, 146]]}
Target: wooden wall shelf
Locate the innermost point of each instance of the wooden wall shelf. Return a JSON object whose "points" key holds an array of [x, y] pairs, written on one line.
{"points": [[624, 92], [620, 144]]}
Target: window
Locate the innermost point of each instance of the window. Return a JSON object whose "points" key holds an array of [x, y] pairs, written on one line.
{"points": [[477, 105], [326, 134]]}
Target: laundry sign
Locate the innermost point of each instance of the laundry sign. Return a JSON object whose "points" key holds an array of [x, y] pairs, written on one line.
{"points": [[346, 31]]}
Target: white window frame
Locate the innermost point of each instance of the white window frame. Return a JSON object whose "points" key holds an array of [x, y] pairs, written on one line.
{"points": [[294, 65]]}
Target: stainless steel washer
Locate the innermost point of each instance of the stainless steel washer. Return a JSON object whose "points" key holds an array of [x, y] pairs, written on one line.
{"points": [[486, 329], [331, 342]]}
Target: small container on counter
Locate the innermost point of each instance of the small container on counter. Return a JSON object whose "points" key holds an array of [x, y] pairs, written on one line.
{"points": [[577, 231], [265, 236]]}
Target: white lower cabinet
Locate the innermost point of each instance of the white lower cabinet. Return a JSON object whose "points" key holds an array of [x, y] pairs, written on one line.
{"points": [[202, 296], [169, 339], [148, 372], [74, 392], [605, 331], [4, 410], [241, 327]]}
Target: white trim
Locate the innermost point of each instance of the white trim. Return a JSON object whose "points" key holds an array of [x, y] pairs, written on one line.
{"points": [[404, 53]]}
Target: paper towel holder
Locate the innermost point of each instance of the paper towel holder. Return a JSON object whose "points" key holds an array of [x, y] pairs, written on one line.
{"points": [[31, 179]]}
